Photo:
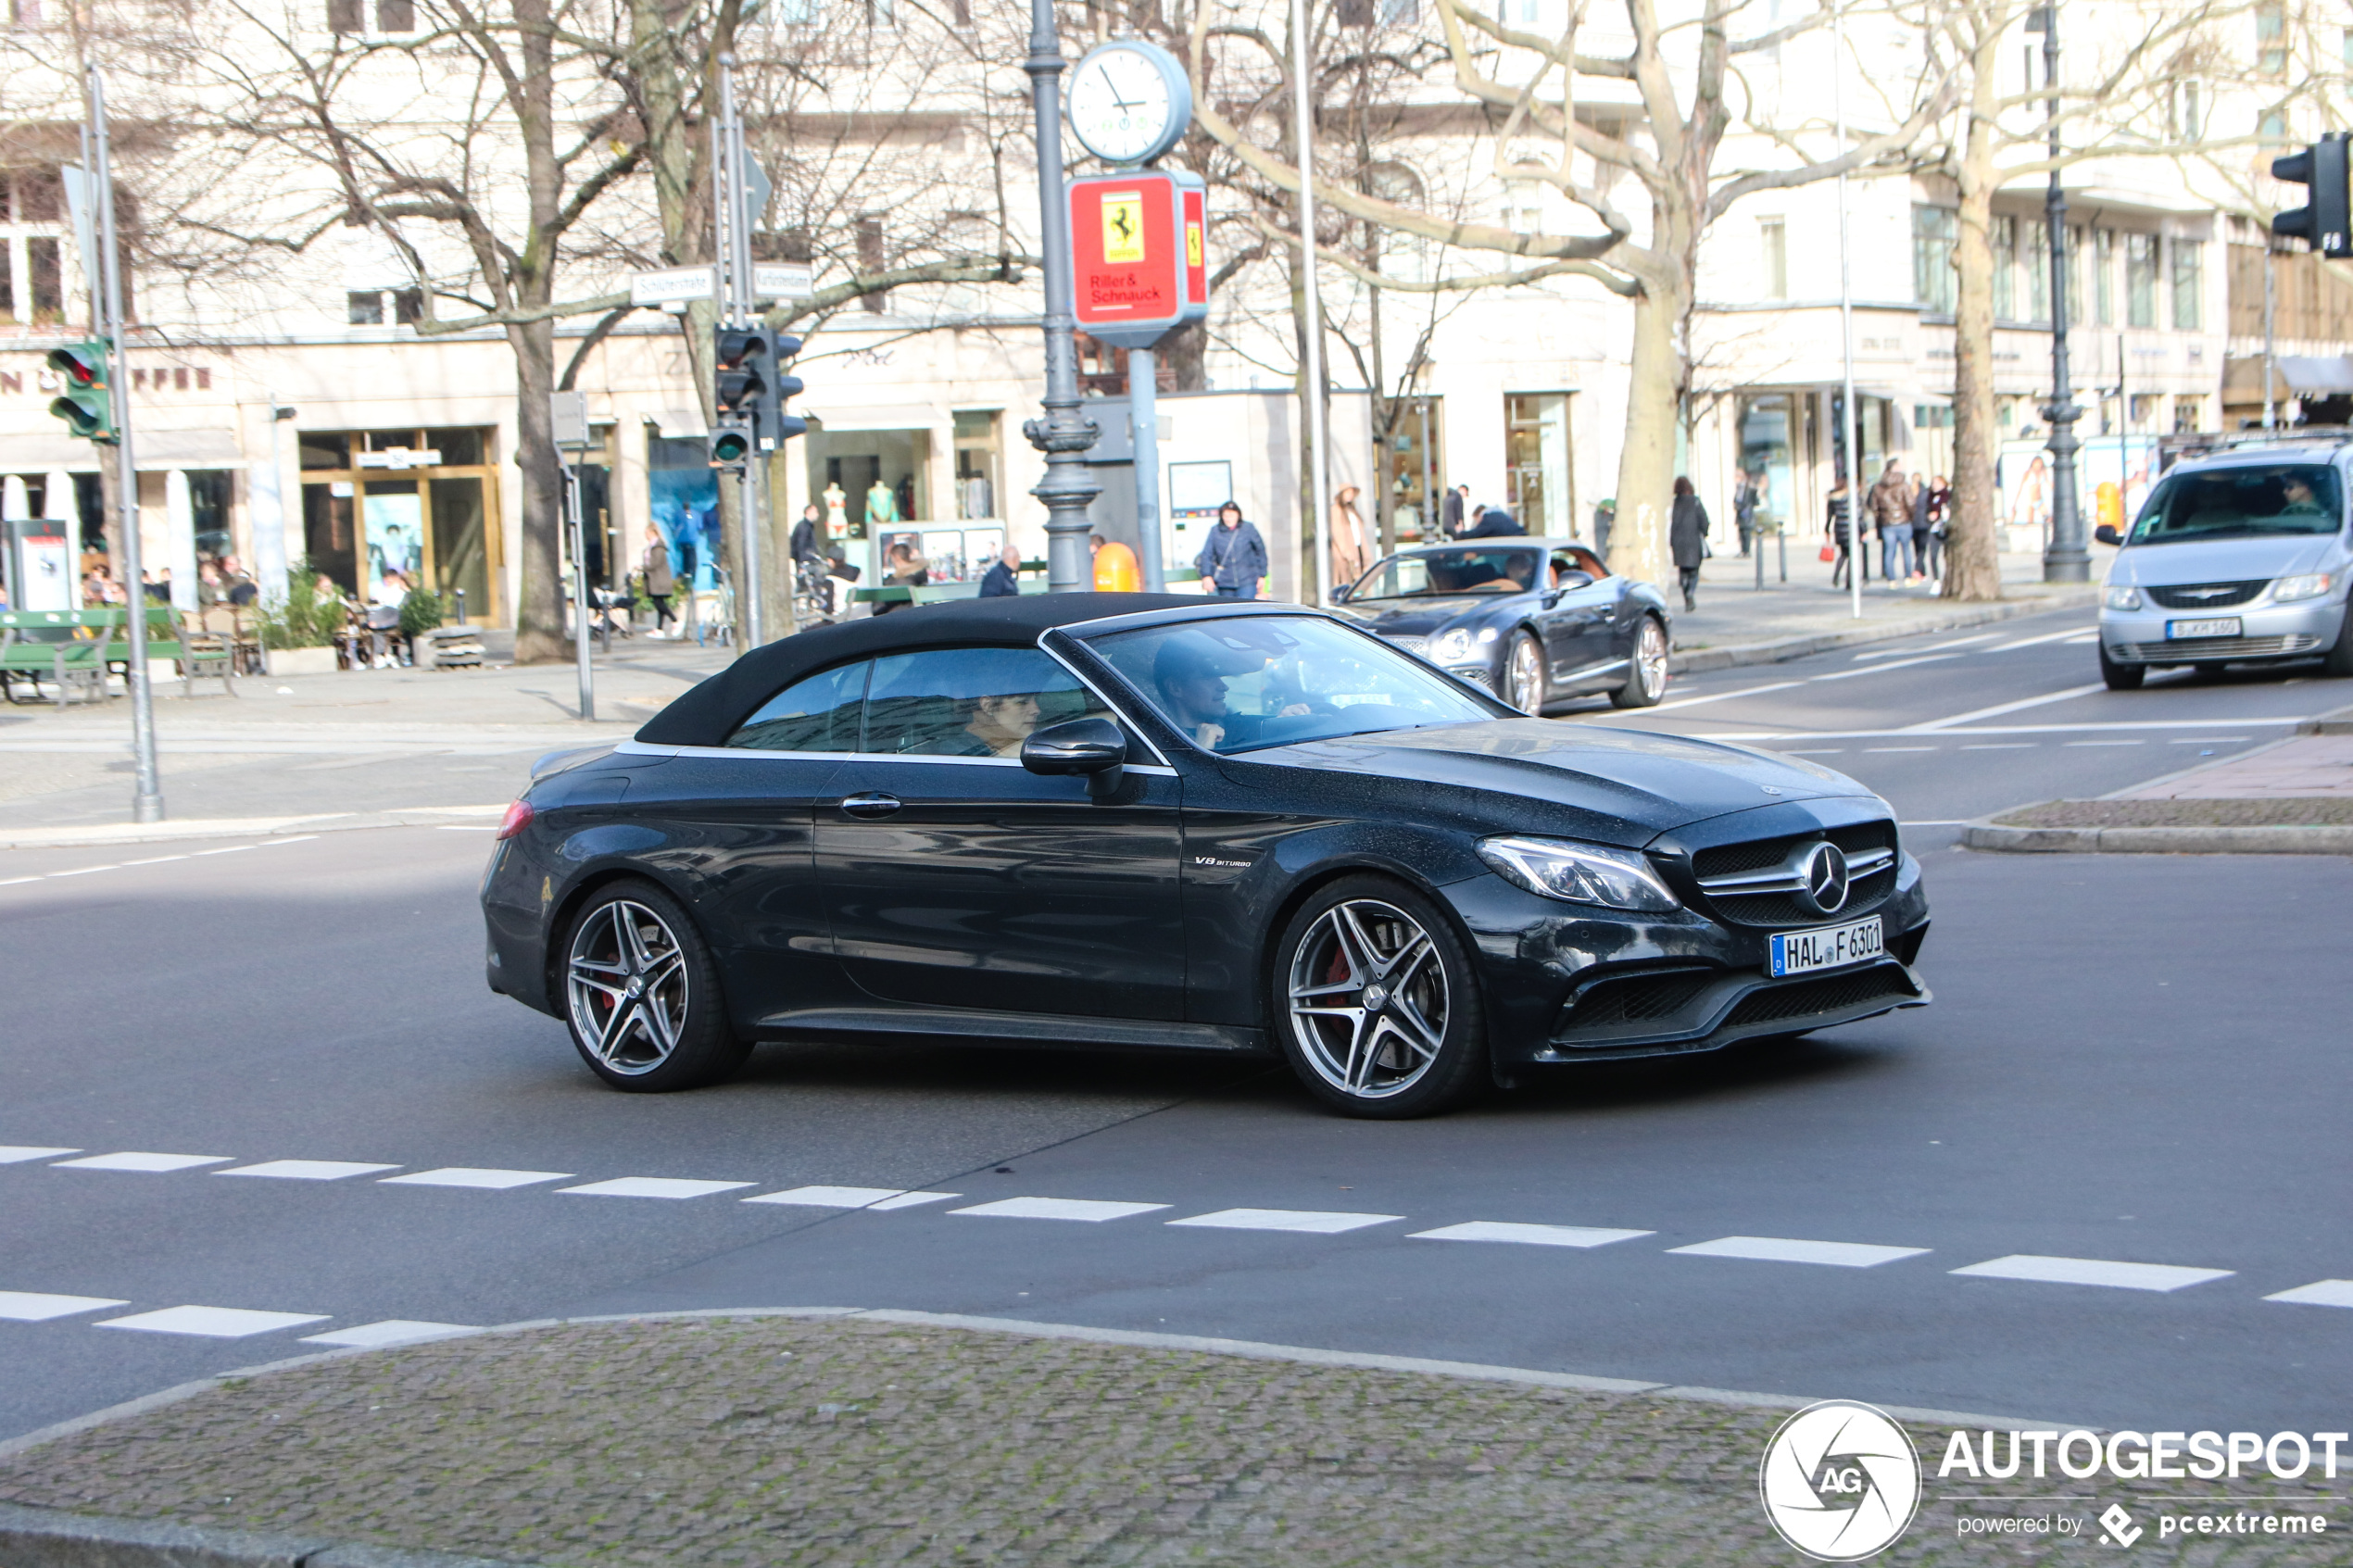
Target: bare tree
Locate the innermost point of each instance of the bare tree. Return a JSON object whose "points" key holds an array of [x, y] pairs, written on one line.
{"points": [[1663, 124]]}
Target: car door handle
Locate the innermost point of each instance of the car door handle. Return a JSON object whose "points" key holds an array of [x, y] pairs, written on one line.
{"points": [[873, 804]]}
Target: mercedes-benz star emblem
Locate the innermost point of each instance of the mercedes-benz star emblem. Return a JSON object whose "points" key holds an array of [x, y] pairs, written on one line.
{"points": [[1824, 872]]}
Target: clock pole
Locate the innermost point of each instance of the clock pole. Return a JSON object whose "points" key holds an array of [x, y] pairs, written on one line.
{"points": [[1064, 434]]}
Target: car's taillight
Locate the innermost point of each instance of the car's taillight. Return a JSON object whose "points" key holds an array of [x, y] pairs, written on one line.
{"points": [[518, 818]]}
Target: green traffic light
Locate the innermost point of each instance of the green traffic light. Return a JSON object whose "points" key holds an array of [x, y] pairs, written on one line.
{"points": [[729, 447]]}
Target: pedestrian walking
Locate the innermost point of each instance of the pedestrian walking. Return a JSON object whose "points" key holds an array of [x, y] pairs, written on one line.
{"points": [[1351, 560], [1928, 539], [1889, 505], [1234, 556], [1449, 520], [1687, 527], [1002, 579], [660, 582], [808, 551], [1838, 535], [1745, 499]]}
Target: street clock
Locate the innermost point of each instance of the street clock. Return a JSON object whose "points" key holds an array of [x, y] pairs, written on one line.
{"points": [[1129, 102]]}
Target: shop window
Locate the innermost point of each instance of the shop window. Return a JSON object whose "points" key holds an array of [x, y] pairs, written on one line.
{"points": [[1538, 489], [323, 450], [977, 459]]}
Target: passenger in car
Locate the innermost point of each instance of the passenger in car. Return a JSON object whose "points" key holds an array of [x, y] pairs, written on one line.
{"points": [[999, 724]]}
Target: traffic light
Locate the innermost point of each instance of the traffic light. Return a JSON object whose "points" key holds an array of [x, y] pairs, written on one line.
{"points": [[730, 445], [740, 371], [775, 423], [2327, 223], [87, 406]]}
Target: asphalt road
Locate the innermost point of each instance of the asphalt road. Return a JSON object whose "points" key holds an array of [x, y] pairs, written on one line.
{"points": [[2135, 1064]]}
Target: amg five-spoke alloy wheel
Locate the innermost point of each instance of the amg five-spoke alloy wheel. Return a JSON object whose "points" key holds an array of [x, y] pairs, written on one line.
{"points": [[642, 995], [1380, 1012]]}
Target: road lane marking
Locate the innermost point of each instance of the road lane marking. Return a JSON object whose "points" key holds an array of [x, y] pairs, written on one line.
{"points": [[1089, 1209], [1933, 647], [149, 1163], [1881, 749], [213, 1322], [653, 1186], [14, 879], [1724, 697], [2092, 1270], [154, 861], [232, 850], [31, 1306], [2088, 728], [392, 1331], [85, 871], [2321, 1293], [1311, 1222], [1528, 1235], [2046, 637], [2103, 742], [2207, 740], [469, 1176], [852, 1198], [1818, 751], [305, 1170], [11, 1154], [1777, 1249], [2001, 708], [2001, 746], [1882, 669]]}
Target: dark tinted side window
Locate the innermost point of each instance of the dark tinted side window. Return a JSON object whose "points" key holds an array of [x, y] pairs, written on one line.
{"points": [[969, 702], [817, 714]]}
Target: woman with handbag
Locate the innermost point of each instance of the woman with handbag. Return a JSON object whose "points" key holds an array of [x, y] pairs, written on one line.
{"points": [[1687, 539], [1838, 541]]}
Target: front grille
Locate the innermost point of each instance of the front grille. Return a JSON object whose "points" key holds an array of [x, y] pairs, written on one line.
{"points": [[1831, 992], [1481, 678], [1866, 893], [1417, 647], [2185, 650], [1639, 998], [2206, 595]]}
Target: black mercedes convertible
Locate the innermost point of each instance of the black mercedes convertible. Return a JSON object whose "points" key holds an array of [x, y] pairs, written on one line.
{"points": [[1108, 819]]}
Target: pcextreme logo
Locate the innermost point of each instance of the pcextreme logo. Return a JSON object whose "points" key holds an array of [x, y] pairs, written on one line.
{"points": [[1840, 1481]]}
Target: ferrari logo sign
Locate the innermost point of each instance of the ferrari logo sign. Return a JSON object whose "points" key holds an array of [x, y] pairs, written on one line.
{"points": [[1137, 254], [1123, 227]]}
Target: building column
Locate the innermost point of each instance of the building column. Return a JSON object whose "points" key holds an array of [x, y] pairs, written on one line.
{"points": [[179, 525], [60, 500]]}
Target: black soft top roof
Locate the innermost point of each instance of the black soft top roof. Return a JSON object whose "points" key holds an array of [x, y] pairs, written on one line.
{"points": [[709, 713]]}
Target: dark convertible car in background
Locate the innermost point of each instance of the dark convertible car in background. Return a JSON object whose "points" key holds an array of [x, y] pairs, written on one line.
{"points": [[1534, 620], [1150, 821]]}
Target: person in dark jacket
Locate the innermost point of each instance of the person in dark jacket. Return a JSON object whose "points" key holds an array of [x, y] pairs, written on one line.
{"points": [[1838, 529], [1002, 579], [1745, 499], [1450, 510], [1494, 523], [1233, 557], [1687, 539]]}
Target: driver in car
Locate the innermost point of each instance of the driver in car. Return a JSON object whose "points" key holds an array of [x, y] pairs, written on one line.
{"points": [[999, 725], [1518, 574], [1193, 691], [2300, 500]]}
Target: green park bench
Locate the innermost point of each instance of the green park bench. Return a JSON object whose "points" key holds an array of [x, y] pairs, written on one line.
{"points": [[76, 649]]}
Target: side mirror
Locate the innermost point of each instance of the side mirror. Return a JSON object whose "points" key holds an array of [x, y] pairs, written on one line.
{"points": [[1095, 748], [2106, 534], [1339, 595]]}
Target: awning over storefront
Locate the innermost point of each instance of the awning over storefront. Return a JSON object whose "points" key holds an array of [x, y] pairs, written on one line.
{"points": [[2315, 376], [678, 424], [840, 418], [154, 451]]}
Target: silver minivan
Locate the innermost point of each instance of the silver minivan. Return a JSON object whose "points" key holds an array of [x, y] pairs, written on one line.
{"points": [[2238, 557]]}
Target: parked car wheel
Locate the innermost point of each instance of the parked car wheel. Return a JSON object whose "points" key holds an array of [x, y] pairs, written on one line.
{"points": [[2340, 659], [1646, 671], [1377, 1009], [642, 995], [1524, 673], [2121, 677]]}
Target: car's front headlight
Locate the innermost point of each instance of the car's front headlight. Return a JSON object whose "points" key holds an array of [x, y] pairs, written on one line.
{"points": [[1454, 647], [1581, 873], [2123, 597], [2309, 585]]}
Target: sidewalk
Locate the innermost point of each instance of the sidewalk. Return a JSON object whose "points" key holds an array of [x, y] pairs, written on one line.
{"points": [[909, 1439]]}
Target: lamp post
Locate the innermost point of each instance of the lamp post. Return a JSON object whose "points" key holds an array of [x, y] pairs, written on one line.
{"points": [[2065, 558], [1064, 433]]}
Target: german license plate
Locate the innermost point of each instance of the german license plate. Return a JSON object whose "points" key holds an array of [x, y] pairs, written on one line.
{"points": [[1831, 946], [2220, 626]]}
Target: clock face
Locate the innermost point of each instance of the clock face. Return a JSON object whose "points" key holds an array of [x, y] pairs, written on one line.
{"points": [[1121, 107]]}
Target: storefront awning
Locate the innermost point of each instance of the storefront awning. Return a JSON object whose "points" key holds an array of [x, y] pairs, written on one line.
{"points": [[840, 418], [153, 451], [2307, 375], [679, 425]]}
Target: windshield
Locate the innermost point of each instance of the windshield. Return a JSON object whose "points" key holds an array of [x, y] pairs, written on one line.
{"points": [[1243, 683], [1450, 572], [2241, 503]]}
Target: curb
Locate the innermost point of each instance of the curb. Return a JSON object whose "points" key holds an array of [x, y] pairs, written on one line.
{"points": [[48, 1538], [2338, 723], [241, 827], [43, 1538], [2310, 840]]}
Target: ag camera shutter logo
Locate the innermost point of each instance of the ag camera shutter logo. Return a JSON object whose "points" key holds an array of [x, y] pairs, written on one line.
{"points": [[1840, 1481]]}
